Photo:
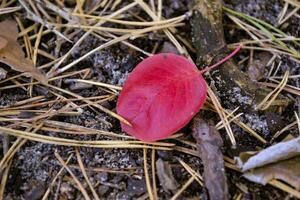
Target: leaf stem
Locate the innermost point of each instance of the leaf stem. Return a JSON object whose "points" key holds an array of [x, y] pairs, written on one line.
{"points": [[222, 61]]}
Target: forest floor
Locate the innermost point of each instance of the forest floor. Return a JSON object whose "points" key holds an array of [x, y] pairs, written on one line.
{"points": [[79, 101]]}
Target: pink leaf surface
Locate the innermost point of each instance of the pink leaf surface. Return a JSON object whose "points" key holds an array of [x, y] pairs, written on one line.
{"points": [[161, 96]]}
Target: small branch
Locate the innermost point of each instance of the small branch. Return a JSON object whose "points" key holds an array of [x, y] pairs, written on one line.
{"points": [[210, 45]]}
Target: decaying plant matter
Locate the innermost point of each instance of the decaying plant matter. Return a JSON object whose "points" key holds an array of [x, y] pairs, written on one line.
{"points": [[209, 143]]}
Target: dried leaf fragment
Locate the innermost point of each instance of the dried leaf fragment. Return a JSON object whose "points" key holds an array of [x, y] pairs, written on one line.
{"points": [[11, 52], [209, 144], [3, 43], [165, 175], [275, 153], [287, 171], [280, 161]]}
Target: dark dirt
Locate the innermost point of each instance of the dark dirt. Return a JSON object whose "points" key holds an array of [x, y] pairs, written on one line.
{"points": [[35, 165]]}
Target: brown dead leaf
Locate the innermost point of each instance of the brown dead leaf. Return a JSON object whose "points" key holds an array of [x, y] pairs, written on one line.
{"points": [[165, 176], [280, 161], [287, 171], [275, 153], [11, 52], [209, 143], [3, 43]]}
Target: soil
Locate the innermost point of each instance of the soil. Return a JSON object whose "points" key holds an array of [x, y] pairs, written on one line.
{"points": [[35, 165]]}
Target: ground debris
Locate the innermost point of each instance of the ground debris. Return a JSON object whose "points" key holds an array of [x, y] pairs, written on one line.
{"points": [[165, 175], [280, 161], [117, 173], [272, 154], [287, 170], [209, 143], [11, 52]]}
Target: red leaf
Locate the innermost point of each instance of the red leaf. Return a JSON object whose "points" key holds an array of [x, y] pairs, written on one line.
{"points": [[161, 96]]}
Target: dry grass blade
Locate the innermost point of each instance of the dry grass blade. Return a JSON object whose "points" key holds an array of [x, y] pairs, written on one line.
{"points": [[287, 127], [132, 23], [269, 99], [132, 35], [98, 84], [285, 187], [11, 152], [266, 30], [131, 45], [98, 28], [248, 129], [55, 178], [53, 72], [268, 49], [74, 127], [79, 160], [148, 10], [39, 20], [35, 83], [287, 88], [282, 13], [9, 10], [293, 12], [80, 186], [244, 126], [30, 100], [222, 115], [229, 116], [15, 147], [183, 188], [198, 177], [293, 2], [79, 143], [159, 9], [94, 104], [147, 177], [4, 179], [61, 11], [154, 175], [36, 45]]}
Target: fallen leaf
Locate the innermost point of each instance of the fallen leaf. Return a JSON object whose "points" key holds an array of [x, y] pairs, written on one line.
{"points": [[165, 176], [3, 43], [287, 171], [275, 153], [280, 161], [209, 143], [161, 96], [11, 52]]}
